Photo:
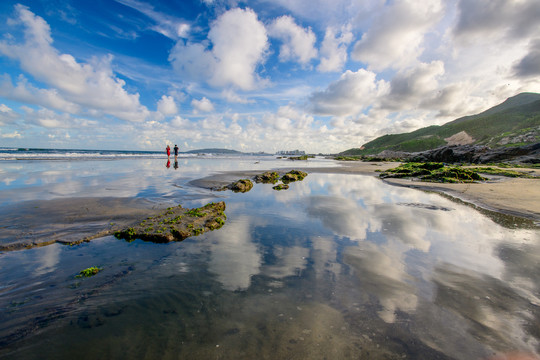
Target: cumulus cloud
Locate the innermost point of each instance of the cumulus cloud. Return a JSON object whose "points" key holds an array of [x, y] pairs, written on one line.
{"points": [[91, 85], [239, 42], [529, 65], [167, 106], [396, 37], [349, 95], [298, 43], [12, 135], [334, 49], [481, 19], [288, 118], [409, 87], [203, 105]]}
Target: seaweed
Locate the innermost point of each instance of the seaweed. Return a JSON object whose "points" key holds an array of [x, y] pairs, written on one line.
{"points": [[176, 224], [433, 172]]}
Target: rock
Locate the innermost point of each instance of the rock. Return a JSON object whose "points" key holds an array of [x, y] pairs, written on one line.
{"points": [[176, 224], [293, 175], [242, 185], [269, 177], [281, 187]]}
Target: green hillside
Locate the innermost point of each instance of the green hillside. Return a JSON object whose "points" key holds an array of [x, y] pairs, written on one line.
{"points": [[514, 122]]}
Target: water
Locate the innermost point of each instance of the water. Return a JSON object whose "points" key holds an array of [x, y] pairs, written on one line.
{"points": [[338, 266]]}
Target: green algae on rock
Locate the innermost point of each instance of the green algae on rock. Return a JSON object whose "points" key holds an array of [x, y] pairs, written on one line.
{"points": [[242, 185], [176, 224], [433, 172], [269, 177], [280, 187], [91, 271], [293, 175]]}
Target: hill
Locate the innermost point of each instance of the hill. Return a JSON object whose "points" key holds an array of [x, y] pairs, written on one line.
{"points": [[514, 122]]}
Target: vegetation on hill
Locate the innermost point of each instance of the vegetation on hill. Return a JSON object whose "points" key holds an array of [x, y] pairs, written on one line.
{"points": [[515, 122]]}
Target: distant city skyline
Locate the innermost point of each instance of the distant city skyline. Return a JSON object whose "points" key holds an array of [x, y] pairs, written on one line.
{"points": [[255, 76]]}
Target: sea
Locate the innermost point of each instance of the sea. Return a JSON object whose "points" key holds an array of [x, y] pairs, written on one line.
{"points": [[339, 266], [7, 153]]}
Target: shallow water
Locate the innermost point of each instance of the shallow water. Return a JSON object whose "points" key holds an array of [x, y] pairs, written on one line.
{"points": [[338, 266]]}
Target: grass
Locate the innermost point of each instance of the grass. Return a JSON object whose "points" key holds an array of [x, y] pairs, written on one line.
{"points": [[91, 271]]}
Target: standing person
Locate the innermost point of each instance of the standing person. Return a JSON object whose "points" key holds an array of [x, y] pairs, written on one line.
{"points": [[175, 152], [168, 149]]}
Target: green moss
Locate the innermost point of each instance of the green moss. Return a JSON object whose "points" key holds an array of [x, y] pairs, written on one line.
{"points": [[280, 187], [501, 172], [195, 212], [434, 172], [91, 271], [293, 175]]}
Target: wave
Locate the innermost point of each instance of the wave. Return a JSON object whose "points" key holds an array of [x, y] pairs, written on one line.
{"points": [[77, 154]]}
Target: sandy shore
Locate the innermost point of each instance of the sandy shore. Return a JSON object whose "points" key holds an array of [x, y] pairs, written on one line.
{"points": [[513, 196]]}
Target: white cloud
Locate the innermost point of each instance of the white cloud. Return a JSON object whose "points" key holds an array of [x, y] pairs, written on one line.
{"points": [[409, 87], [233, 97], [167, 106], [239, 42], [13, 135], [334, 49], [298, 43], [91, 85], [350, 95], [203, 105], [396, 37], [166, 25]]}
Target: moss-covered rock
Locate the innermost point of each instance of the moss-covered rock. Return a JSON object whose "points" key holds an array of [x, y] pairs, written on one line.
{"points": [[269, 177], [176, 224], [293, 175], [242, 185], [433, 172], [281, 187]]}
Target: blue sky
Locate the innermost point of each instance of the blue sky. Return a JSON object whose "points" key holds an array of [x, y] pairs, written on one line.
{"points": [[316, 75]]}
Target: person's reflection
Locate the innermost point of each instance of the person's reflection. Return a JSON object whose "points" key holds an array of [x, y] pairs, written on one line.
{"points": [[175, 165], [168, 163]]}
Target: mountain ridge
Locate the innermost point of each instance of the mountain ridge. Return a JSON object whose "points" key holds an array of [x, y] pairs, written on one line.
{"points": [[514, 122]]}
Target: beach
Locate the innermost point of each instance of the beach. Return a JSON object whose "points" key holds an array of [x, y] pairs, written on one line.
{"points": [[341, 265]]}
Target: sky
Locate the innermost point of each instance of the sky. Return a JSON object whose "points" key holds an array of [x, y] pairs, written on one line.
{"points": [[321, 76]]}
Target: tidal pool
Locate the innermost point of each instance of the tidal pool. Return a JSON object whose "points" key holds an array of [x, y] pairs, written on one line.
{"points": [[338, 266]]}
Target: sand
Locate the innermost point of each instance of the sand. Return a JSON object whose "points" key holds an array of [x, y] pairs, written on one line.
{"points": [[513, 196]]}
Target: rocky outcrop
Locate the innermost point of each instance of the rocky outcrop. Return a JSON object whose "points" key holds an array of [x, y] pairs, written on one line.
{"points": [[293, 175], [478, 154], [269, 177], [242, 185], [176, 224]]}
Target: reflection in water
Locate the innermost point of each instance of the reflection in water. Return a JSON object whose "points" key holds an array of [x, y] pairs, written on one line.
{"points": [[339, 266]]}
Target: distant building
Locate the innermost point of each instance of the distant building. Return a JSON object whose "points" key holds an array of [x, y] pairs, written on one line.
{"points": [[293, 152]]}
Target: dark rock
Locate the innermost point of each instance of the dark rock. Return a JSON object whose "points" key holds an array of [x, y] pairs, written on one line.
{"points": [[281, 187], [269, 177], [477, 154], [242, 185], [293, 175]]}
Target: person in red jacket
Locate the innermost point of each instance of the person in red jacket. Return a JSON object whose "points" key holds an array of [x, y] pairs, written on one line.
{"points": [[168, 149]]}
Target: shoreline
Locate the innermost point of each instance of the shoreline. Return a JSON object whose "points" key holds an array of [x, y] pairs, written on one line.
{"points": [[519, 197]]}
